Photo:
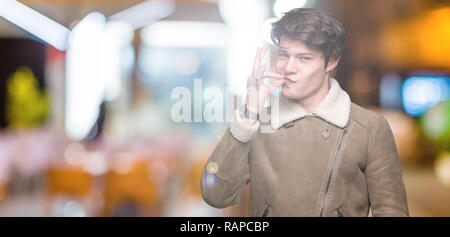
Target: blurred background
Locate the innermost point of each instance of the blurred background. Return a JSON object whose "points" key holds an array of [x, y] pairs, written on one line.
{"points": [[87, 97]]}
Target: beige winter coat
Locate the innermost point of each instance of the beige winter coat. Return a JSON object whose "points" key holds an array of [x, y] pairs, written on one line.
{"points": [[340, 160]]}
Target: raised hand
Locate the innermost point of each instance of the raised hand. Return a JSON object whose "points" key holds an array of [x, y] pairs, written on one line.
{"points": [[257, 90]]}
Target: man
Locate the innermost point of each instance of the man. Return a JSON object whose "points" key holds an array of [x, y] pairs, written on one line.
{"points": [[326, 156]]}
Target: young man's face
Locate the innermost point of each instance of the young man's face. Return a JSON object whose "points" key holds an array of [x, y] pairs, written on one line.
{"points": [[302, 67]]}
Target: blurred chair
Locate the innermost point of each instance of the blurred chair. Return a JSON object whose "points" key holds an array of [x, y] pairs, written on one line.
{"points": [[193, 192], [126, 193], [68, 181], [2, 192]]}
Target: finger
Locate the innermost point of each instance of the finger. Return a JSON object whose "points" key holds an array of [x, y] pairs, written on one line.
{"points": [[249, 80], [272, 75], [259, 57], [264, 51], [262, 69], [256, 61], [260, 76], [274, 85]]}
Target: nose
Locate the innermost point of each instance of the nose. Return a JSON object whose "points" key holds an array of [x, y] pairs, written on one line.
{"points": [[290, 67]]}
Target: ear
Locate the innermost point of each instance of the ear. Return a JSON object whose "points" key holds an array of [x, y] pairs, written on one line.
{"points": [[332, 64]]}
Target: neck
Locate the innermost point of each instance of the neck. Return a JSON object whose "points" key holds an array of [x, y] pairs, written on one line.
{"points": [[310, 103]]}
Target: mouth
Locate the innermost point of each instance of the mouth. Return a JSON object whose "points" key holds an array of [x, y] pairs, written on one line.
{"points": [[287, 80]]}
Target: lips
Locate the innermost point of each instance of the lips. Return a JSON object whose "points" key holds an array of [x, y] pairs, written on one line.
{"points": [[287, 80]]}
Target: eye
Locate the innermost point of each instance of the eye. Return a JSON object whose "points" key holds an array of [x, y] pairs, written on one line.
{"points": [[283, 55], [306, 58]]}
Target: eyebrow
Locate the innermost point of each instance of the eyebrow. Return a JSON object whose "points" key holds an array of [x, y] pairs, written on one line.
{"points": [[298, 54]]}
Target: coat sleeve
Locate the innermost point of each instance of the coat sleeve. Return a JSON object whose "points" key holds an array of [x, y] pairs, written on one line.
{"points": [[226, 173], [387, 194]]}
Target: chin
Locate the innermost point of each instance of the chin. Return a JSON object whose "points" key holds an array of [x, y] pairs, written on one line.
{"points": [[289, 93]]}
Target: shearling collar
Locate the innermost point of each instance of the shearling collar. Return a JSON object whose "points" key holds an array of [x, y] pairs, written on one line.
{"points": [[334, 108]]}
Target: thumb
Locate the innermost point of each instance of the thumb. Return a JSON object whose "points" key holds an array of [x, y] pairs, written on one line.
{"points": [[274, 85]]}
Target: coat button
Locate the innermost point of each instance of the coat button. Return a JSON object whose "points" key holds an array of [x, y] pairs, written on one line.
{"points": [[326, 133], [212, 167]]}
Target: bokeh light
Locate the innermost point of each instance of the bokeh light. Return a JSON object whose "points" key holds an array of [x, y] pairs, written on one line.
{"points": [[436, 124], [442, 168], [282, 6], [422, 92]]}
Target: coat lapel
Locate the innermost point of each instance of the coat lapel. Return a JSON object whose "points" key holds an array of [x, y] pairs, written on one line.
{"points": [[334, 108]]}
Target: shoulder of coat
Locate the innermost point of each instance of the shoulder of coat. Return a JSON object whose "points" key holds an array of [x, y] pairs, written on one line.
{"points": [[365, 117]]}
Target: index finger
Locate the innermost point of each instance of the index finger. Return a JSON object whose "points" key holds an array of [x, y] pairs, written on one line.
{"points": [[264, 51], [255, 62], [260, 53]]}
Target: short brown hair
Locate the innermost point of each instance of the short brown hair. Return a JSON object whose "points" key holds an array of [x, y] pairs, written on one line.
{"points": [[315, 28]]}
